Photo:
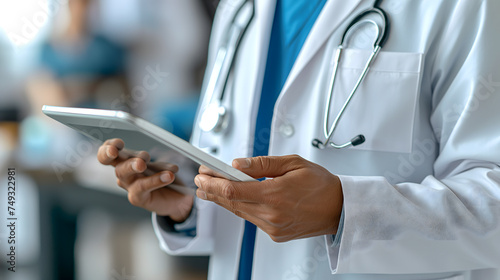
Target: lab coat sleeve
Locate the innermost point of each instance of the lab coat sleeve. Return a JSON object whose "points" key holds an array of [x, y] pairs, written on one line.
{"points": [[451, 220], [176, 243]]}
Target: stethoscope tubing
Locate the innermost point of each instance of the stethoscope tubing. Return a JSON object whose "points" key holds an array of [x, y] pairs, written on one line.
{"points": [[381, 38], [214, 117]]}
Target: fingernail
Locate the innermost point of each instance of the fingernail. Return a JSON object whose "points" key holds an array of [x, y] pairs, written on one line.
{"points": [[201, 194], [197, 181], [135, 166], [165, 178], [243, 162], [204, 169], [108, 153]]}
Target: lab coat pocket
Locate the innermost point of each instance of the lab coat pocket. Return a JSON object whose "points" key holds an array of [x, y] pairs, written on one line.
{"points": [[384, 106]]}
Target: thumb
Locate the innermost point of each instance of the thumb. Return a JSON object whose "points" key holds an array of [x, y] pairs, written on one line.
{"points": [[268, 166]]}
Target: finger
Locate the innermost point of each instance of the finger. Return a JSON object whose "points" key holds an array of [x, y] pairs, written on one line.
{"points": [[139, 191], [126, 154], [144, 156], [268, 166], [128, 170], [117, 142], [205, 170], [149, 183], [231, 190], [108, 152], [232, 205], [155, 167], [161, 166], [258, 215]]}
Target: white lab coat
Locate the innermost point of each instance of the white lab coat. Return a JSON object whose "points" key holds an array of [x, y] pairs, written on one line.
{"points": [[422, 194]]}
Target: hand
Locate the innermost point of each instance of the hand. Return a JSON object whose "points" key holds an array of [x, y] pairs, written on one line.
{"points": [[302, 200], [144, 190]]}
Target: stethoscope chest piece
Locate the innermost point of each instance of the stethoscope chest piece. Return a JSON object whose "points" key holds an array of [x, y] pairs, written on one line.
{"points": [[214, 118]]}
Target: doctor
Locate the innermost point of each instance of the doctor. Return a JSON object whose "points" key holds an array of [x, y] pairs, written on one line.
{"points": [[419, 198]]}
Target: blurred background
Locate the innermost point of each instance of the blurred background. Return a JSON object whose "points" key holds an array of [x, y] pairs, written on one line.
{"points": [[146, 57]]}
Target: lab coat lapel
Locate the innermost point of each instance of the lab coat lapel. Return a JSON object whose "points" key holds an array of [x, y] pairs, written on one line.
{"points": [[334, 13]]}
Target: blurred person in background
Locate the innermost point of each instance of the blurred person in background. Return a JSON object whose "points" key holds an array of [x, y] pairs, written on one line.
{"points": [[77, 67], [75, 62]]}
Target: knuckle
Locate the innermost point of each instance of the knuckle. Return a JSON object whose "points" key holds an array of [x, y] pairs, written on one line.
{"points": [[141, 185], [263, 162], [135, 199], [275, 220], [296, 158], [228, 191], [295, 161]]}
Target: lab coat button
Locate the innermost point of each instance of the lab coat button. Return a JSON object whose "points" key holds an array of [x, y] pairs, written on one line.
{"points": [[286, 130]]}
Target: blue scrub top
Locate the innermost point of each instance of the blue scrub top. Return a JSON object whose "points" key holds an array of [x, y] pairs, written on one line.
{"points": [[293, 20]]}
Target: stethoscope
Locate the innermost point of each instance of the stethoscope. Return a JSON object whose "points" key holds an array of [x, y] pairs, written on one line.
{"points": [[214, 117], [382, 35]]}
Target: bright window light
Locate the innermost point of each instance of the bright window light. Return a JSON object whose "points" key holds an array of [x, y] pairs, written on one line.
{"points": [[22, 20]]}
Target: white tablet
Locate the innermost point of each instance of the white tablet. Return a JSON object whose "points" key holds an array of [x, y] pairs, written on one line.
{"points": [[138, 135]]}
